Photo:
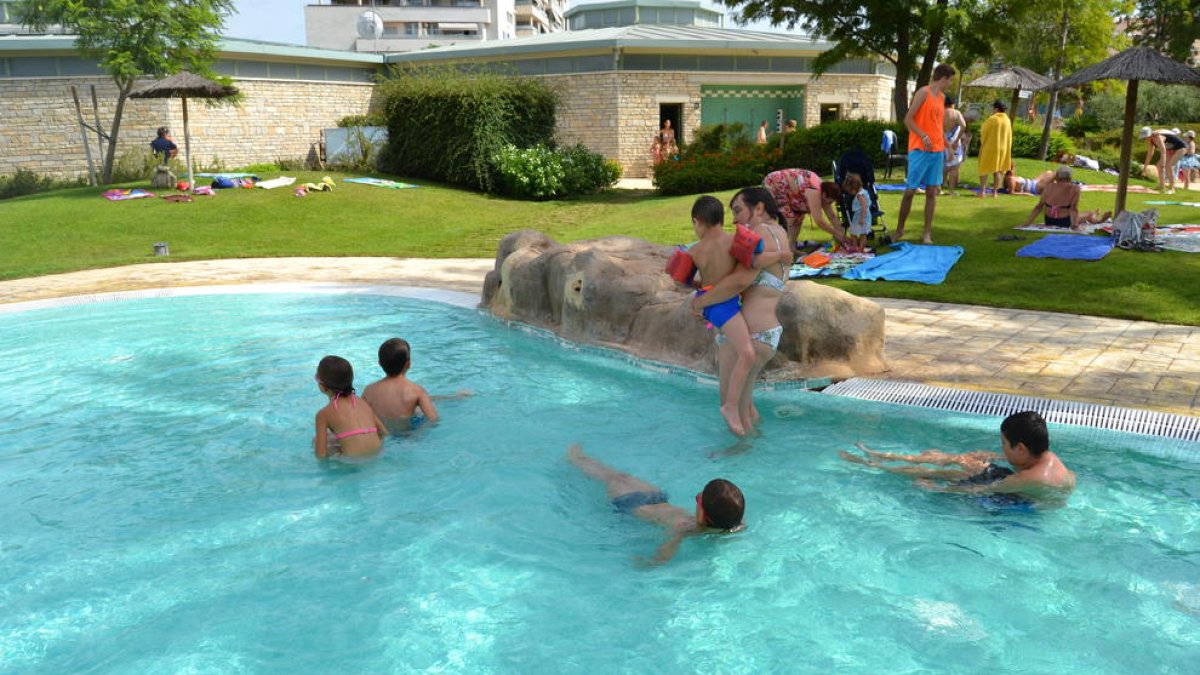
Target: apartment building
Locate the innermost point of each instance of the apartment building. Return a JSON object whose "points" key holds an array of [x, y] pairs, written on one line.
{"points": [[388, 26]]}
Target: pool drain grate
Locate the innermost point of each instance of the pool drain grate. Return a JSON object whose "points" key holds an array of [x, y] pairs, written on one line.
{"points": [[1148, 422]]}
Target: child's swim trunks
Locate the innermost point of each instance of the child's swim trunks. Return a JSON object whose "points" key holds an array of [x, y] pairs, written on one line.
{"points": [[629, 501]]}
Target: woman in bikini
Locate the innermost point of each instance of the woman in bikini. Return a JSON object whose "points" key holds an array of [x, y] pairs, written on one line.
{"points": [[357, 431], [1171, 148], [1060, 200], [1034, 186]]}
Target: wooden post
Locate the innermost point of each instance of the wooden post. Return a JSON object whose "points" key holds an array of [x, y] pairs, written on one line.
{"points": [[87, 147], [1126, 146], [187, 148]]}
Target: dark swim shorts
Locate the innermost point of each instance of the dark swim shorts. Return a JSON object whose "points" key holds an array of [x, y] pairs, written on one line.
{"points": [[1004, 501], [629, 501]]}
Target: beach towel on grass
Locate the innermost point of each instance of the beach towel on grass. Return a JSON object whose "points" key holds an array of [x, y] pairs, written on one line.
{"points": [[888, 187], [909, 262], [838, 265], [227, 174], [1084, 228], [381, 182], [1174, 203], [1113, 188], [282, 181], [1067, 247], [123, 195]]}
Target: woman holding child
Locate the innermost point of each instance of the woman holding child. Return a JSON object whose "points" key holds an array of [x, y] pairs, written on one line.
{"points": [[761, 290]]}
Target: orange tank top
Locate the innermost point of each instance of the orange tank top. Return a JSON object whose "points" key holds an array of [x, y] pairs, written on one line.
{"points": [[928, 118]]}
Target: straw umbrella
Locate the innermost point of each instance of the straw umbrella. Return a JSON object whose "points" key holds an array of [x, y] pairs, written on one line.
{"points": [[1134, 64], [1015, 78], [186, 85]]}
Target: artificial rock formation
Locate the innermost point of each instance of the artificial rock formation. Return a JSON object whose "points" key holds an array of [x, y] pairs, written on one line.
{"points": [[614, 292]]}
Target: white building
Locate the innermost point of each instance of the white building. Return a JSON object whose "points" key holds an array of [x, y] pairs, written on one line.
{"points": [[408, 25]]}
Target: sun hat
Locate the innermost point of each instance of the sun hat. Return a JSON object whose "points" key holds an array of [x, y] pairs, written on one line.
{"points": [[1189, 134], [1063, 172], [1145, 132], [1175, 131]]}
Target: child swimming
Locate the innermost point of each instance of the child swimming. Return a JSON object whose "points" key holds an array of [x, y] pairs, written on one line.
{"points": [[357, 431], [719, 506], [1038, 476]]}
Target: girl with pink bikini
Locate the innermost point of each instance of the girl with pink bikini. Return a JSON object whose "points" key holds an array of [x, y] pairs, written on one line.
{"points": [[357, 431]]}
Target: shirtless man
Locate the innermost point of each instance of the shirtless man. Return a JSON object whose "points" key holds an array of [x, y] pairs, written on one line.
{"points": [[1038, 476]]}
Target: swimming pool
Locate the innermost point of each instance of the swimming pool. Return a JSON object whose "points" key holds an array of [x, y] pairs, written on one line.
{"points": [[163, 513]]}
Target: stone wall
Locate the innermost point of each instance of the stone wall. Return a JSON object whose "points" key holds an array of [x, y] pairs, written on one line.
{"points": [[277, 119], [613, 113], [616, 114]]}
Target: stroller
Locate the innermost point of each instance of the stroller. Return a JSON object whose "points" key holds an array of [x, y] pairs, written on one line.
{"points": [[859, 162]]}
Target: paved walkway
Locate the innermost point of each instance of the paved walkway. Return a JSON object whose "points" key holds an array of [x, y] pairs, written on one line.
{"points": [[1129, 363]]}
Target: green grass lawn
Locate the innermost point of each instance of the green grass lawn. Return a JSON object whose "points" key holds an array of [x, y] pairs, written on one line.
{"points": [[77, 229]]}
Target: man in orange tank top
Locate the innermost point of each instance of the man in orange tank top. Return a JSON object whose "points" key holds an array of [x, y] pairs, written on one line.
{"points": [[926, 143]]}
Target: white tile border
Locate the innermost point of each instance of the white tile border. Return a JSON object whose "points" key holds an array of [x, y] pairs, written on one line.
{"points": [[456, 298]]}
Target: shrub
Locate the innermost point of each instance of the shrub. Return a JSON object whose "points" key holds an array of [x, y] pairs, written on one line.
{"points": [[1078, 127], [718, 138], [449, 125], [816, 148], [26, 182], [368, 120], [542, 172], [1026, 140], [711, 171]]}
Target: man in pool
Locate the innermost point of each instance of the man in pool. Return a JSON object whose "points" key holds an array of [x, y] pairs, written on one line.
{"points": [[719, 506], [1040, 477]]}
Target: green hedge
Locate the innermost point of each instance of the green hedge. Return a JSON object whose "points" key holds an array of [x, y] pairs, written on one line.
{"points": [[816, 148], [448, 125], [712, 171], [1026, 140]]}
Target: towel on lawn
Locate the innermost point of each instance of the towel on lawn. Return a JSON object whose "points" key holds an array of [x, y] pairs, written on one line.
{"points": [[1084, 228], [1067, 247], [1113, 188], [123, 195], [381, 182], [889, 187], [282, 181], [1175, 203], [908, 262], [837, 265]]}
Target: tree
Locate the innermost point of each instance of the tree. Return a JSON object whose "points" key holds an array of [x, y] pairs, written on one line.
{"points": [[1062, 36], [1170, 26], [909, 34], [134, 39]]}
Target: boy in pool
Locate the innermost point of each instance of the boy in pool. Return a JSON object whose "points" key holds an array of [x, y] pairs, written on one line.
{"points": [[719, 506], [395, 398], [1040, 476]]}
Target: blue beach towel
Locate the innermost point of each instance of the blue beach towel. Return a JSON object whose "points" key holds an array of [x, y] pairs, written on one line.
{"points": [[1067, 247], [381, 182], [908, 262], [888, 187]]}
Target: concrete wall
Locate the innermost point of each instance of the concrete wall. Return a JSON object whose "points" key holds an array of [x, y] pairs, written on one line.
{"points": [[276, 120]]}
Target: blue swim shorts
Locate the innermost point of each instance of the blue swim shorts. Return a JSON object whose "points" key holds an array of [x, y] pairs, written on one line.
{"points": [[720, 313], [924, 169]]}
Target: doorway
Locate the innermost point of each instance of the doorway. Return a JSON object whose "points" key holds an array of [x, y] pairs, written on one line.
{"points": [[831, 112], [674, 113]]}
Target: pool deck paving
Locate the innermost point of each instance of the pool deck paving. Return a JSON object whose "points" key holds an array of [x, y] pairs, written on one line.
{"points": [[1137, 364]]}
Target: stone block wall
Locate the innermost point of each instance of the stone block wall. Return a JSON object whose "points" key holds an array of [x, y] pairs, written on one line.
{"points": [[872, 93], [277, 119]]}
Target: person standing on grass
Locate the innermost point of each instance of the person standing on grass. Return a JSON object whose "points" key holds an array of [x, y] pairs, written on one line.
{"points": [[926, 146], [955, 126], [995, 149]]}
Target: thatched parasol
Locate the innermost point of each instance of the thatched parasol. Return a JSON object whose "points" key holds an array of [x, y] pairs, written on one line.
{"points": [[186, 85], [1134, 64], [1015, 78]]}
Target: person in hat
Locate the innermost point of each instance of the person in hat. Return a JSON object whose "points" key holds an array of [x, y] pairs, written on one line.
{"points": [[1171, 148], [995, 149]]}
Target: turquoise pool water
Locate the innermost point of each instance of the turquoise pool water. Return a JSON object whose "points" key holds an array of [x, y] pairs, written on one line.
{"points": [[162, 512]]}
